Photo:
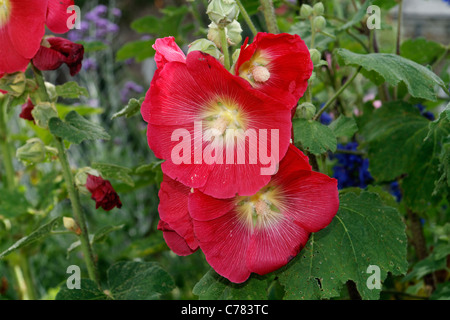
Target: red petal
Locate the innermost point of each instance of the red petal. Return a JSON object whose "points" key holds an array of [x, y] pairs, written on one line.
{"points": [[173, 209], [290, 65], [57, 15], [26, 25], [10, 60], [272, 248], [48, 59], [175, 242], [224, 241], [166, 51]]}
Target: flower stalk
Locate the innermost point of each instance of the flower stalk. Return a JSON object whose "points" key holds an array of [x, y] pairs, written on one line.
{"points": [[247, 18], [269, 15]]}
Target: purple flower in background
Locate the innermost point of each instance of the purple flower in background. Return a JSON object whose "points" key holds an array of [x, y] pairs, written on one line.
{"points": [[130, 88], [351, 170], [394, 189], [96, 26], [89, 64]]}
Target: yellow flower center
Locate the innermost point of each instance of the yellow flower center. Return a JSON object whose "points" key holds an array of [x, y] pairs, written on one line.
{"points": [[224, 114], [256, 70], [262, 209], [5, 10]]}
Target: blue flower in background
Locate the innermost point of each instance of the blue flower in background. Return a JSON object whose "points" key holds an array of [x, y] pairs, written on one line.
{"points": [[351, 170], [424, 112], [394, 189], [325, 118]]}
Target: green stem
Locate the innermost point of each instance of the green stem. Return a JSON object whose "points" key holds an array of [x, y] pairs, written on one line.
{"points": [[247, 18], [10, 174], [77, 211], [224, 44], [24, 264], [399, 26], [336, 95], [72, 191], [313, 34], [269, 16]]}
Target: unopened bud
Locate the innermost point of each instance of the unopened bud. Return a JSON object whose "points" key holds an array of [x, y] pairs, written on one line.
{"points": [[13, 83], [81, 178], [318, 9], [306, 111], [232, 31], [51, 90], [315, 56], [33, 151], [222, 12], [306, 11], [319, 23], [71, 225], [205, 46], [42, 113]]}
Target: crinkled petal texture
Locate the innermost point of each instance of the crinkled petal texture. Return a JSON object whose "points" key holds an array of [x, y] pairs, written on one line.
{"points": [[57, 15], [264, 232], [187, 100], [21, 34], [166, 51], [176, 223], [287, 60]]}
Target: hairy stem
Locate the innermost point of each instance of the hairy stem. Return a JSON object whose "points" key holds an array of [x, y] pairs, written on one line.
{"points": [[224, 44], [336, 95], [269, 16], [247, 18], [10, 174]]}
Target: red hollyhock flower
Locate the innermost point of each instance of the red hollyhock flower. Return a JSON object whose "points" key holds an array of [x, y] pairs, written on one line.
{"points": [[278, 65], [55, 51], [176, 223], [103, 193], [166, 51], [27, 107], [201, 96], [57, 15], [21, 31], [263, 232]]}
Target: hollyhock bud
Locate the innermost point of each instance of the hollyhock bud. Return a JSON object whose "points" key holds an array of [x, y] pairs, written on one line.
{"points": [[205, 46], [103, 193], [305, 11], [81, 178], [222, 12], [13, 83], [306, 111], [27, 107], [55, 51], [232, 31], [318, 9], [71, 225], [315, 56], [319, 23], [32, 152], [42, 113]]}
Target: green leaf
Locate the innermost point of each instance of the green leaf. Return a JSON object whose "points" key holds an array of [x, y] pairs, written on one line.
{"points": [[82, 110], [393, 69], [344, 127], [93, 46], [139, 50], [364, 232], [76, 129], [12, 203], [71, 90], [314, 136], [421, 50], [112, 171], [138, 281], [215, 287], [442, 292], [39, 234], [133, 107], [89, 291]]}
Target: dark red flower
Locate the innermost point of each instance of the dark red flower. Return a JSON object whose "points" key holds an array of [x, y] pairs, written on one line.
{"points": [[103, 193], [22, 26], [55, 51], [201, 96], [263, 232], [27, 107], [278, 65]]}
